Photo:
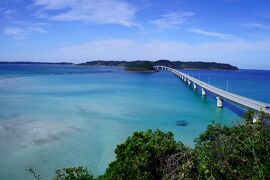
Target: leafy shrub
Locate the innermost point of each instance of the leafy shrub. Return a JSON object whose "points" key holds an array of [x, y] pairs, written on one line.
{"points": [[238, 152], [79, 173], [142, 155]]}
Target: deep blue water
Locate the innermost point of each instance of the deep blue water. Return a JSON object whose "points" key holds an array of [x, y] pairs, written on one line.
{"points": [[63, 116], [254, 84]]}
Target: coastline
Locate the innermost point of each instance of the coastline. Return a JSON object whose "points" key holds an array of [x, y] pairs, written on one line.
{"points": [[139, 64]]}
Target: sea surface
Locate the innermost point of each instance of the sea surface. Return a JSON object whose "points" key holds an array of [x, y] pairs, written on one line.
{"points": [[54, 116]]}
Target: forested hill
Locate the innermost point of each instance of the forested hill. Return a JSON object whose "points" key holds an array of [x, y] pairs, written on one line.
{"points": [[148, 65], [144, 65], [29, 62], [195, 65]]}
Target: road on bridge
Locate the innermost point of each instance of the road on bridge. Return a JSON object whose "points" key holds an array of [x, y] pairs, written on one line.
{"points": [[221, 94]]}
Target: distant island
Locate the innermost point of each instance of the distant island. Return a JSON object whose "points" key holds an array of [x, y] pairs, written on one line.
{"points": [[144, 66], [131, 66], [29, 62], [149, 65]]}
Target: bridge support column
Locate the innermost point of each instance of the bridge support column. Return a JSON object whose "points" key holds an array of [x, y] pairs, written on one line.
{"points": [[255, 118], [194, 86], [219, 102], [185, 79], [189, 82], [203, 92]]}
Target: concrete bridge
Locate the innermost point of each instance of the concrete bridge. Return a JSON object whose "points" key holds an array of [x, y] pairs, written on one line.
{"points": [[220, 94]]}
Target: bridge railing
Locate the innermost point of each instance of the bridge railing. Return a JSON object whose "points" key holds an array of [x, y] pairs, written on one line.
{"points": [[241, 100]]}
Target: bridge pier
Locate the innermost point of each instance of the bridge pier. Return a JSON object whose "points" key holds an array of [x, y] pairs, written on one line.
{"points": [[203, 92], [255, 118], [194, 86], [189, 82], [219, 102], [245, 102]]}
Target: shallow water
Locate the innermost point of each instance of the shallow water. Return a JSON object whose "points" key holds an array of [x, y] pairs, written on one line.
{"points": [[63, 116]]}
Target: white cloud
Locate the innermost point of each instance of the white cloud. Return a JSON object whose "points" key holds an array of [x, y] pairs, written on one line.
{"points": [[245, 54], [88, 11], [9, 13], [20, 30], [54, 4], [15, 32], [238, 51], [255, 25], [213, 34], [172, 20]]}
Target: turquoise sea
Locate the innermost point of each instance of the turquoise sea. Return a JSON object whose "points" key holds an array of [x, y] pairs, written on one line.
{"points": [[54, 116]]}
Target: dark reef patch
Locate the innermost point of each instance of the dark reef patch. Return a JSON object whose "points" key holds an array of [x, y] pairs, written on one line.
{"points": [[74, 128], [81, 110], [181, 123], [48, 139], [2, 116]]}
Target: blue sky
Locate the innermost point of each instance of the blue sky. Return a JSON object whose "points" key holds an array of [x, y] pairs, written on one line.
{"points": [[230, 31]]}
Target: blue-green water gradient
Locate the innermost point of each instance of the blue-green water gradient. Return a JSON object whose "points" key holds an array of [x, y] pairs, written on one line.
{"points": [[64, 116]]}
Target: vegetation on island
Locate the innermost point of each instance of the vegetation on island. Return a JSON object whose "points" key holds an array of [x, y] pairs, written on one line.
{"points": [[132, 66], [140, 66], [104, 63], [143, 66], [241, 151], [28, 62], [149, 65], [195, 65]]}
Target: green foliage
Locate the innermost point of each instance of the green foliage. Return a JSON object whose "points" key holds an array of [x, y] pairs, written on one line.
{"points": [[139, 157], [180, 165], [79, 173], [237, 152], [148, 65], [139, 66], [195, 65], [104, 63], [248, 116]]}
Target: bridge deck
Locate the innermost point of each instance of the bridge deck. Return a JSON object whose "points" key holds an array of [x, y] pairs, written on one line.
{"points": [[240, 100]]}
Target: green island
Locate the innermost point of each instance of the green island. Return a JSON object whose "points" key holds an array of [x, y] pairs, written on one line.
{"points": [[131, 66], [31, 62], [148, 66], [241, 151], [142, 65]]}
